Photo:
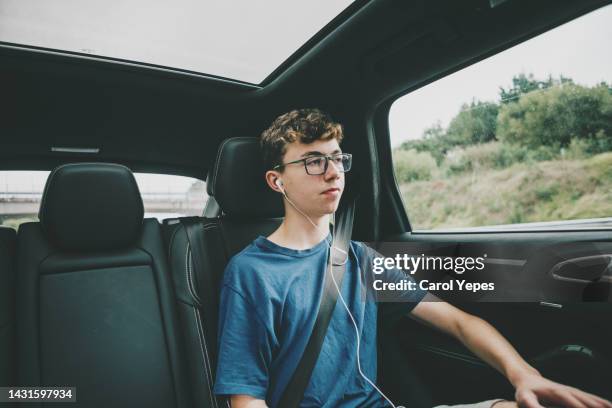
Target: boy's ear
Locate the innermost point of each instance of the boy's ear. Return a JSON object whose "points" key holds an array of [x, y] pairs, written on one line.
{"points": [[273, 180]]}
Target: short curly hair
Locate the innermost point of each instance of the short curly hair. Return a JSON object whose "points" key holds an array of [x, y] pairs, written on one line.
{"points": [[303, 125]]}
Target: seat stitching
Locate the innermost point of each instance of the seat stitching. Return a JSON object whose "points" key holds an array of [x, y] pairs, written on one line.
{"points": [[208, 365], [188, 276], [207, 227], [217, 160], [205, 359], [188, 263], [172, 241], [219, 154], [50, 179]]}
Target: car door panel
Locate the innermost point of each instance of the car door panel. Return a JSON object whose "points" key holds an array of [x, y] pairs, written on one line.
{"points": [[561, 326]]}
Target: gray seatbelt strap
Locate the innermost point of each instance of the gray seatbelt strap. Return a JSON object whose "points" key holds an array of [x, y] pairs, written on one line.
{"points": [[294, 392]]}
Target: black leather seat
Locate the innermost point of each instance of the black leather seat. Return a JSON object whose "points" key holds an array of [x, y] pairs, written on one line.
{"points": [[249, 208], [7, 307], [95, 304]]}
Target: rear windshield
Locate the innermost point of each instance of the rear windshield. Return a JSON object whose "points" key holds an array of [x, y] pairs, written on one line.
{"points": [[164, 196]]}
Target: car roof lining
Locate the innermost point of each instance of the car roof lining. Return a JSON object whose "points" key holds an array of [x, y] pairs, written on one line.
{"points": [[82, 57]]}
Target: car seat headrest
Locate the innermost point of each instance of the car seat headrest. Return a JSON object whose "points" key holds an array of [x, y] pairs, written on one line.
{"points": [[91, 207], [237, 181]]}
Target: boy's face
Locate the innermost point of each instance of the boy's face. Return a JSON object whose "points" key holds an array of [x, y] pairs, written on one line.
{"points": [[316, 195]]}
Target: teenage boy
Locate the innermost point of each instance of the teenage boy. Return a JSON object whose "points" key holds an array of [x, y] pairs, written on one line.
{"points": [[271, 291]]}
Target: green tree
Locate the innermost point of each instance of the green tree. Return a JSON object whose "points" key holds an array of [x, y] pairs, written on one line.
{"points": [[523, 84], [475, 123], [432, 141], [556, 115], [411, 165]]}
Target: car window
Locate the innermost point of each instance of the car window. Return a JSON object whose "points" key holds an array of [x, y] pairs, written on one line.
{"points": [[522, 139], [164, 196]]}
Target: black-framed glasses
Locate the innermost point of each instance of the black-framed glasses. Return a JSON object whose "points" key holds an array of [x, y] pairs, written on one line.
{"points": [[316, 165]]}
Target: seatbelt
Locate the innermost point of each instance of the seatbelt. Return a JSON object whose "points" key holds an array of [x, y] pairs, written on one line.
{"points": [[294, 392]]}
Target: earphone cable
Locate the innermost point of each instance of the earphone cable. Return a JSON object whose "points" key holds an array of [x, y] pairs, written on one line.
{"points": [[332, 247], [331, 254]]}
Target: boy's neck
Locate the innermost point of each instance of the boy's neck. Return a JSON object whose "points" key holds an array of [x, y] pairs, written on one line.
{"points": [[296, 232]]}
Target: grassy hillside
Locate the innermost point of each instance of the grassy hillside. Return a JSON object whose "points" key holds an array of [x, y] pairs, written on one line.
{"points": [[551, 190]]}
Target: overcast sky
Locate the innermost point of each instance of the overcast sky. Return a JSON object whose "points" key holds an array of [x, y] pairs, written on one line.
{"points": [[580, 49], [238, 39]]}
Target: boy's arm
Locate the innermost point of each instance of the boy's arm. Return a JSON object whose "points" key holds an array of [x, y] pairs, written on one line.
{"points": [[245, 345], [246, 401], [488, 344]]}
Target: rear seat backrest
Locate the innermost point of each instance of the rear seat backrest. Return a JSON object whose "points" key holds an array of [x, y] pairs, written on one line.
{"points": [[7, 307], [196, 305], [95, 305], [249, 209]]}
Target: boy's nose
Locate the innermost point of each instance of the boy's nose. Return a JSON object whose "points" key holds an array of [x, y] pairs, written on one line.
{"points": [[332, 170]]}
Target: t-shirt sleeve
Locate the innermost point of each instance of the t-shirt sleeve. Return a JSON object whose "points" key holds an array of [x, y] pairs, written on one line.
{"points": [[245, 347], [392, 303]]}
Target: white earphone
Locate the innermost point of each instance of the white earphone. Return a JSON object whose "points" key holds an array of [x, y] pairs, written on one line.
{"points": [[279, 184]]}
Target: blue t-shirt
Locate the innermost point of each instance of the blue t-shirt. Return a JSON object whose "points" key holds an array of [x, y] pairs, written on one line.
{"points": [[269, 303]]}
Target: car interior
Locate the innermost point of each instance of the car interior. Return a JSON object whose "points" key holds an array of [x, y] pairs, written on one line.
{"points": [[97, 296]]}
